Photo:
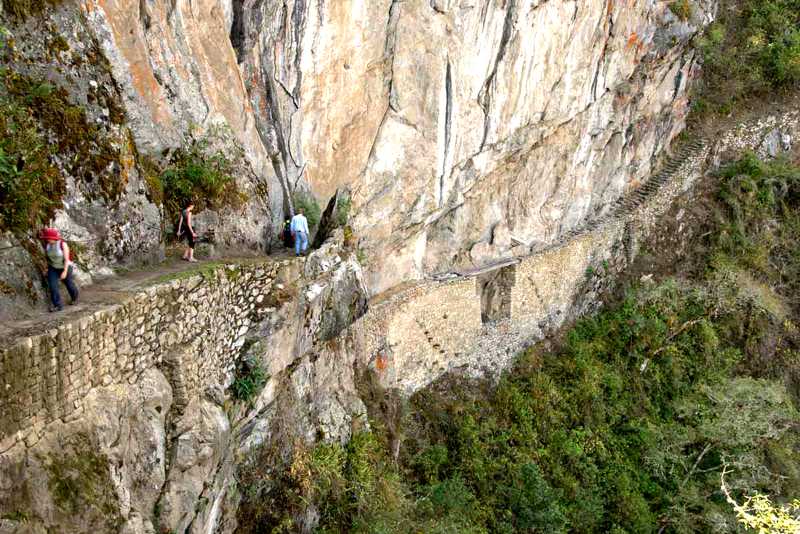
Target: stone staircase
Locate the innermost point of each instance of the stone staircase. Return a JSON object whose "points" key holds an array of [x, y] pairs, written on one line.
{"points": [[622, 208]]}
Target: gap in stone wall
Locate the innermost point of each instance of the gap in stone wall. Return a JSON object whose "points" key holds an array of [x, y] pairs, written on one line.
{"points": [[494, 289]]}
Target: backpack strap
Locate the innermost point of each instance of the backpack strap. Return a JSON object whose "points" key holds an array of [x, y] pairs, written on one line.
{"points": [[66, 254]]}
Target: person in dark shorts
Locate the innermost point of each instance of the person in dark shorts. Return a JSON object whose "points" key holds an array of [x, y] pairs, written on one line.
{"points": [[59, 267], [185, 230]]}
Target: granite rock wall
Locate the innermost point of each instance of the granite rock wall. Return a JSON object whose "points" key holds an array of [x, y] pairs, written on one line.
{"points": [[477, 320], [458, 125], [193, 329], [131, 398]]}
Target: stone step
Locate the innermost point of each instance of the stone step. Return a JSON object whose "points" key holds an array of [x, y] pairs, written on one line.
{"points": [[628, 203]]}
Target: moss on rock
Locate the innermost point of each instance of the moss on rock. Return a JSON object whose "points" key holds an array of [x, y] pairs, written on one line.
{"points": [[80, 483], [22, 9], [31, 187], [41, 130]]}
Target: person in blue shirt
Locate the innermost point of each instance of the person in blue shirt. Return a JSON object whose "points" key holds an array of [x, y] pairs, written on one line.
{"points": [[299, 227]]}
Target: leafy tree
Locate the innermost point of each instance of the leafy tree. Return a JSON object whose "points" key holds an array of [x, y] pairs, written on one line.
{"points": [[758, 513]]}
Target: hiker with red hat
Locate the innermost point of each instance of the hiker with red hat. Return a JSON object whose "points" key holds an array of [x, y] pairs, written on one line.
{"points": [[59, 267]]}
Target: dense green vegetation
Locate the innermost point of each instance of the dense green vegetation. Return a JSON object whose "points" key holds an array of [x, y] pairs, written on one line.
{"points": [[306, 203], [39, 126], [30, 186], [760, 229], [199, 172], [627, 426], [752, 49]]}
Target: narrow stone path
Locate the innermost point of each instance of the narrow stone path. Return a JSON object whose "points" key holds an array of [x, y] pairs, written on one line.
{"points": [[116, 289]]}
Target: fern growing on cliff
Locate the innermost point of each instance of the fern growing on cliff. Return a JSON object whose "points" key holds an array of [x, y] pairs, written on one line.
{"points": [[203, 172], [250, 380]]}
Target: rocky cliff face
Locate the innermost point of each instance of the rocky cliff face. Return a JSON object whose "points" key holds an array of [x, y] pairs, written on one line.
{"points": [[125, 421], [462, 127], [459, 124], [153, 446], [466, 131]]}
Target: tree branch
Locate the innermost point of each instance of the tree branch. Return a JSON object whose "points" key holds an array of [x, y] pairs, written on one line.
{"points": [[705, 450]]}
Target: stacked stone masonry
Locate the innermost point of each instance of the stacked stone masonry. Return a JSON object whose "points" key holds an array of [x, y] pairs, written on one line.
{"points": [[479, 320], [459, 320], [476, 321], [193, 328]]}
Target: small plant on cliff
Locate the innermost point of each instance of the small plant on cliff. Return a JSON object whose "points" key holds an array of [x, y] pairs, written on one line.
{"points": [[249, 381], [354, 488], [30, 186], [22, 9], [201, 172], [681, 8], [5, 38], [343, 207]]}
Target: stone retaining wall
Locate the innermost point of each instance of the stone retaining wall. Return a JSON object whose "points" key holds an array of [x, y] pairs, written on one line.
{"points": [[417, 334], [193, 328]]}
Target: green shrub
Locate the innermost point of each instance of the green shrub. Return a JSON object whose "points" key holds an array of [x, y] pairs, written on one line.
{"points": [[250, 380], [681, 8], [343, 210], [752, 49], [30, 186], [199, 173], [307, 203], [760, 231], [533, 503], [355, 488]]}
